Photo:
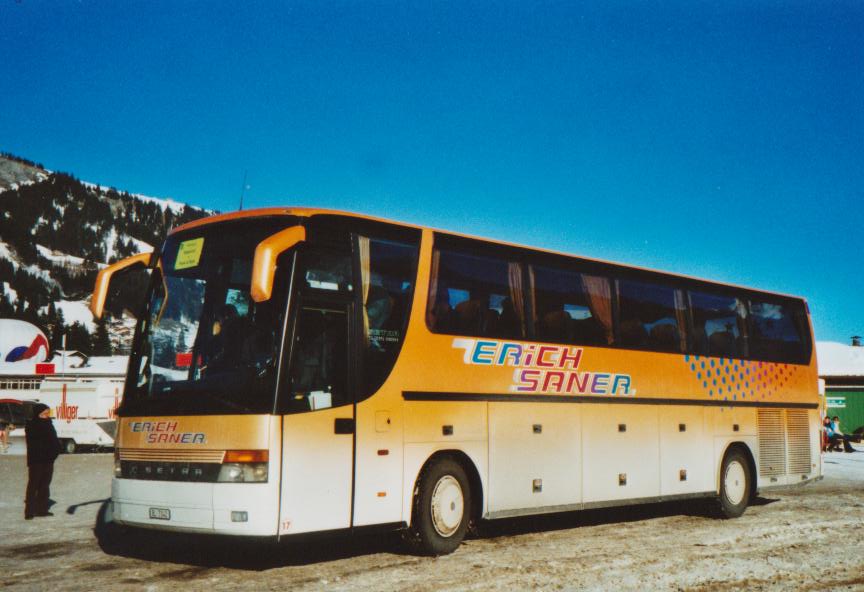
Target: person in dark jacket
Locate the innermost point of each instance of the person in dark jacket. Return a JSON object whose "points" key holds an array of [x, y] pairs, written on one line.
{"points": [[43, 447]]}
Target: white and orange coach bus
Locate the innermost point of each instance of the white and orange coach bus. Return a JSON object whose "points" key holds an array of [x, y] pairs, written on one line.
{"points": [[301, 371]]}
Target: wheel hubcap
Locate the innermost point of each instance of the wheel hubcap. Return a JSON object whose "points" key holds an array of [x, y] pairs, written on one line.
{"points": [[448, 506], [735, 482]]}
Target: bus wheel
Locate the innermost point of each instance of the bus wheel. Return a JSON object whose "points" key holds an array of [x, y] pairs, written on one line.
{"points": [[442, 503], [69, 446], [735, 484]]}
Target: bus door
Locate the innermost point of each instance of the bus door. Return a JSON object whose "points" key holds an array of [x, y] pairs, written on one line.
{"points": [[317, 402]]}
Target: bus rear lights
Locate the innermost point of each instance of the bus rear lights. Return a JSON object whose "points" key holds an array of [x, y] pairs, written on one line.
{"points": [[239, 516]]}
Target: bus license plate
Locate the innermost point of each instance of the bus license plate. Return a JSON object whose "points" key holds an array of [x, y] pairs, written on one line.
{"points": [[160, 513]]}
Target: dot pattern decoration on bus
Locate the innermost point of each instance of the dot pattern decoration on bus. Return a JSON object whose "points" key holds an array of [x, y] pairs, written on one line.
{"points": [[550, 369], [740, 380]]}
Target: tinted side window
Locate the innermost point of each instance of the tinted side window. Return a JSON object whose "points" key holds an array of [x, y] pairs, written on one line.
{"points": [[326, 269], [777, 331], [318, 377], [651, 316], [719, 325], [571, 307], [475, 295], [387, 276]]}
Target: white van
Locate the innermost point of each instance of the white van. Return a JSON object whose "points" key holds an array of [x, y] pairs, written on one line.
{"points": [[83, 409]]}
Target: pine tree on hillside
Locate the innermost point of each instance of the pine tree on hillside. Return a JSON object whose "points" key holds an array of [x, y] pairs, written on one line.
{"points": [[78, 338], [101, 340]]}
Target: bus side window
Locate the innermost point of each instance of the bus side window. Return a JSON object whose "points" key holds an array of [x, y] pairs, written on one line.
{"points": [[571, 307], [651, 316], [719, 325], [776, 335], [319, 361], [387, 271], [476, 295]]}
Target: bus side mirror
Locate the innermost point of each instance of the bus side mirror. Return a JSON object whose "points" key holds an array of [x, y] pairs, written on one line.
{"points": [[264, 264], [103, 280]]}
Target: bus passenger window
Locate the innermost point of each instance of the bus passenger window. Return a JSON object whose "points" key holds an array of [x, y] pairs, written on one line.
{"points": [[475, 295], [651, 316], [571, 307], [719, 325], [777, 331]]}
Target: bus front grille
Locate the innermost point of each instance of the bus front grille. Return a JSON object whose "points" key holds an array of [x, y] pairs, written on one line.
{"points": [[169, 455], [169, 471]]}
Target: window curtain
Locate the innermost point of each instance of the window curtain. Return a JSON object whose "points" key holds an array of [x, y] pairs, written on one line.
{"points": [[514, 279], [599, 295], [365, 280], [532, 300], [681, 318], [432, 303], [744, 339]]}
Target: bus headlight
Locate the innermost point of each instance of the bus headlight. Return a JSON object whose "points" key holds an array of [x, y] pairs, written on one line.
{"points": [[244, 466], [243, 473]]}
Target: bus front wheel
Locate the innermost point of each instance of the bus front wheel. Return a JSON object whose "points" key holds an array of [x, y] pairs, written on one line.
{"points": [[442, 507], [735, 486]]}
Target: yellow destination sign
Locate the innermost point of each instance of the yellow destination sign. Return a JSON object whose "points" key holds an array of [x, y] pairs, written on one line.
{"points": [[189, 253]]}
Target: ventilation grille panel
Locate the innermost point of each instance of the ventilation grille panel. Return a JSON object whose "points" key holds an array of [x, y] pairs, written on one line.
{"points": [[772, 443], [798, 438], [172, 455]]}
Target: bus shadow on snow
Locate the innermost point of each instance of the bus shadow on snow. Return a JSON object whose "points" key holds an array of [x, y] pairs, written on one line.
{"points": [[206, 551], [235, 552], [698, 508]]}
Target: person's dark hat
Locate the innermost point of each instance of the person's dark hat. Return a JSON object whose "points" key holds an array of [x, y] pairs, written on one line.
{"points": [[37, 409]]}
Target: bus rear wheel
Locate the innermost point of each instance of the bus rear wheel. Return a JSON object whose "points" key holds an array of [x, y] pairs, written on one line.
{"points": [[735, 486], [442, 508]]}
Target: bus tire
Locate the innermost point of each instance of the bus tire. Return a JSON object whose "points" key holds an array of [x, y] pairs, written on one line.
{"points": [[69, 446], [442, 508], [735, 486]]}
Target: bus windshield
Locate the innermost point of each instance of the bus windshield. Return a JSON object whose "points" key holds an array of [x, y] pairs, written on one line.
{"points": [[204, 346]]}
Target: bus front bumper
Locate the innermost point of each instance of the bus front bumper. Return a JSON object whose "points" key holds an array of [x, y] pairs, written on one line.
{"points": [[249, 509]]}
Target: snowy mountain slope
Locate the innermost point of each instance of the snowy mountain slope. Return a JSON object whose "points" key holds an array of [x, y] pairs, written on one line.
{"points": [[15, 172], [56, 232]]}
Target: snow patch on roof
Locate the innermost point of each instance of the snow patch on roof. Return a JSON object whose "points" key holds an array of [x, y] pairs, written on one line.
{"points": [[839, 359]]}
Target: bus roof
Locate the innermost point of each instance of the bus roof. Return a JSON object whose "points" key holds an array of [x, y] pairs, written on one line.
{"points": [[308, 212]]}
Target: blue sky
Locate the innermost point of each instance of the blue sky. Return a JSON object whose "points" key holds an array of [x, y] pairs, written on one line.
{"points": [[717, 139]]}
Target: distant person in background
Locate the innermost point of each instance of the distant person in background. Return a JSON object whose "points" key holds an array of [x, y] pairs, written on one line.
{"points": [[4, 436], [835, 427], [835, 436], [43, 447]]}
